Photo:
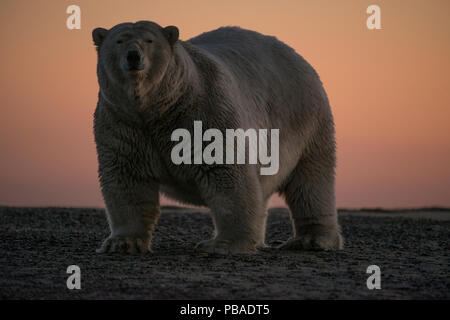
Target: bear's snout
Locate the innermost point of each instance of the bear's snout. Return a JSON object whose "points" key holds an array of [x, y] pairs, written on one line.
{"points": [[134, 60]]}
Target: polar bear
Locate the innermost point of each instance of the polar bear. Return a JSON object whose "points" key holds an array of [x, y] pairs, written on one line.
{"points": [[152, 83]]}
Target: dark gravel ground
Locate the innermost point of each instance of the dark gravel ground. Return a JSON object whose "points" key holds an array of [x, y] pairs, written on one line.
{"points": [[38, 244]]}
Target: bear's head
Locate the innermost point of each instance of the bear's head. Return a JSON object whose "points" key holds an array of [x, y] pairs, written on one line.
{"points": [[130, 54]]}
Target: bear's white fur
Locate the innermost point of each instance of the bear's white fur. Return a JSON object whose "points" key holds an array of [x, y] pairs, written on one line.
{"points": [[226, 78]]}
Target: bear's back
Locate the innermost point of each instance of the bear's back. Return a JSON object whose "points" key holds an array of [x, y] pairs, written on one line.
{"points": [[248, 50], [269, 73]]}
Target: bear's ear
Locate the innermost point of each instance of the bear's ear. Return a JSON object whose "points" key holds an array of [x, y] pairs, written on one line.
{"points": [[171, 33], [98, 35]]}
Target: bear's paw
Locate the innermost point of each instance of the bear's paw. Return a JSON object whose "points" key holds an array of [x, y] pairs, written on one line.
{"points": [[125, 245], [314, 241]]}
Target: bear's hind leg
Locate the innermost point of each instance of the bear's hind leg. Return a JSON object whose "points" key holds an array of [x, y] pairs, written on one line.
{"points": [[310, 195], [239, 217]]}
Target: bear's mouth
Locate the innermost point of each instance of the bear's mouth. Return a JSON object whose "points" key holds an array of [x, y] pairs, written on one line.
{"points": [[135, 69]]}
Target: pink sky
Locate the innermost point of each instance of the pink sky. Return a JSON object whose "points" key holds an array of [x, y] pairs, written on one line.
{"points": [[388, 88]]}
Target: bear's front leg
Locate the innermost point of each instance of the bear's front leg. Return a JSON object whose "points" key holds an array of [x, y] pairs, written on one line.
{"points": [[132, 212]]}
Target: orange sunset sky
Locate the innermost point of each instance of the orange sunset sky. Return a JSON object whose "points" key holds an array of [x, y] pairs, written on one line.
{"points": [[389, 91]]}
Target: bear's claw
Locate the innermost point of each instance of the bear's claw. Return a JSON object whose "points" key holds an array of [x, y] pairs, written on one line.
{"points": [[311, 241], [124, 245]]}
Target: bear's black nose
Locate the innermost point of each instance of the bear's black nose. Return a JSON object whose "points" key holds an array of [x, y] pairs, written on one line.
{"points": [[134, 60]]}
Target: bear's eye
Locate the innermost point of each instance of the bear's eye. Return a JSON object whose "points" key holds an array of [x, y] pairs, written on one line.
{"points": [[149, 40], [119, 41]]}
